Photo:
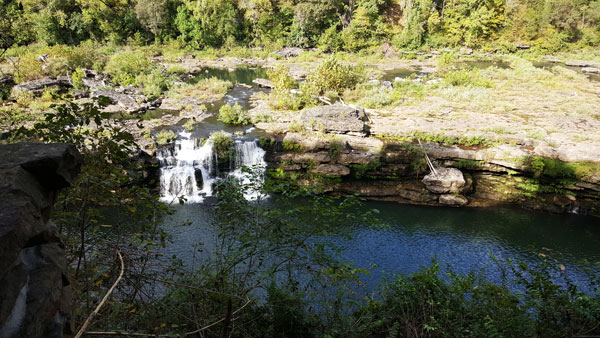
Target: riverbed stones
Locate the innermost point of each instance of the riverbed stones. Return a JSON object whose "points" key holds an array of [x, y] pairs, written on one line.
{"points": [[336, 118], [444, 181]]}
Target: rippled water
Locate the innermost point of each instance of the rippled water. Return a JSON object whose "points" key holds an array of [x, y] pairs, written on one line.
{"points": [[414, 235]]}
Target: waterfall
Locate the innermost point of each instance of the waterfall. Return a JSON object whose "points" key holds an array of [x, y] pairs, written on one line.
{"points": [[250, 155], [189, 168]]}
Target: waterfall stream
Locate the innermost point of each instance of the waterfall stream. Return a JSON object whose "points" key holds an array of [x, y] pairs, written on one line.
{"points": [[189, 168]]}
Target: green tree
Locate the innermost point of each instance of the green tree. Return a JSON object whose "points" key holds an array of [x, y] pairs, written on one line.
{"points": [[207, 22], [13, 26], [152, 14]]}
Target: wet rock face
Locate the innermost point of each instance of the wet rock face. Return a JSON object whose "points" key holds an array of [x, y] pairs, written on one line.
{"points": [[35, 297], [447, 181], [335, 118]]}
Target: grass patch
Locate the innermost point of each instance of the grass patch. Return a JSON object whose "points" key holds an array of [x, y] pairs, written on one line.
{"points": [[467, 78], [164, 137], [207, 90]]}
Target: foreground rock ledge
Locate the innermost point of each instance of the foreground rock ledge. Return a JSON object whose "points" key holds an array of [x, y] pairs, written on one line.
{"points": [[35, 292]]}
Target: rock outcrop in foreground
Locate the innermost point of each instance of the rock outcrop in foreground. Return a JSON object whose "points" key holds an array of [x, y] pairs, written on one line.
{"points": [[35, 292]]}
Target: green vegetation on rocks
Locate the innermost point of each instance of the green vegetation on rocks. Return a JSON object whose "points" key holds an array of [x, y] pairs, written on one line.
{"points": [[233, 114], [223, 146]]}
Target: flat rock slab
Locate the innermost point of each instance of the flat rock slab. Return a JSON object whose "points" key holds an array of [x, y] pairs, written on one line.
{"points": [[263, 83], [447, 181], [582, 63], [332, 170], [123, 102], [336, 118], [39, 86], [590, 70]]}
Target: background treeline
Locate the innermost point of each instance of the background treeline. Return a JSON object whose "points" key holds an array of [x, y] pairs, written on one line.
{"points": [[328, 24]]}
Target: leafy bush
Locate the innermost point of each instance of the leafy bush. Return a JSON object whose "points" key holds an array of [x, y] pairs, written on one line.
{"points": [[62, 60], [446, 61], [233, 114], [124, 67], [331, 40], [223, 146], [331, 75], [281, 79], [154, 84], [77, 78]]}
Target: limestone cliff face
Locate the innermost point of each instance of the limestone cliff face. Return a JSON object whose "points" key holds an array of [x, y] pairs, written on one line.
{"points": [[35, 291], [467, 176]]}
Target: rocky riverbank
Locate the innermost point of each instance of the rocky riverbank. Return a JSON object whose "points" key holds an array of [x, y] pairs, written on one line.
{"points": [[528, 135], [392, 170]]}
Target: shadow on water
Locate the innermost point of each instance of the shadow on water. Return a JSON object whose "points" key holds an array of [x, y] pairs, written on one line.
{"points": [[237, 75], [414, 235], [549, 65]]}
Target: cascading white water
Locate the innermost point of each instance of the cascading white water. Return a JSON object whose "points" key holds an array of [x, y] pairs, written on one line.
{"points": [[250, 155], [189, 168]]}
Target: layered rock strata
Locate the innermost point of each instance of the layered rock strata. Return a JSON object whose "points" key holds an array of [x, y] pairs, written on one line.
{"points": [[35, 292]]}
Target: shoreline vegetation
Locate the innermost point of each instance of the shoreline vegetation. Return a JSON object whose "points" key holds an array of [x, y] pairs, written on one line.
{"points": [[507, 93]]}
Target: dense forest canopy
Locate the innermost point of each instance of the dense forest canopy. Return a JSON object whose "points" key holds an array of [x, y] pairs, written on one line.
{"points": [[326, 24]]}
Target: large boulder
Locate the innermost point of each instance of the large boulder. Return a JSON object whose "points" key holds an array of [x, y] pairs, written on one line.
{"points": [[453, 200], [445, 181], [336, 118], [35, 297]]}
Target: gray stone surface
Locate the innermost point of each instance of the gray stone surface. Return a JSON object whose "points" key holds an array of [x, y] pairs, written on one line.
{"points": [[263, 83], [335, 118], [35, 297], [332, 170], [591, 70], [581, 63], [453, 200], [289, 52], [130, 102], [38, 86], [447, 180]]}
